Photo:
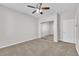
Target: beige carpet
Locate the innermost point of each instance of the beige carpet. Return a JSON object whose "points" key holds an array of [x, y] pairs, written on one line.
{"points": [[40, 47]]}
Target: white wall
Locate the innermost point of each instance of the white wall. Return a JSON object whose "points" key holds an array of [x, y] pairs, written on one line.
{"points": [[51, 27], [16, 27]]}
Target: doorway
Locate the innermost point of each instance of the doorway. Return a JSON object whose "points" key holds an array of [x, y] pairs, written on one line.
{"points": [[47, 30]]}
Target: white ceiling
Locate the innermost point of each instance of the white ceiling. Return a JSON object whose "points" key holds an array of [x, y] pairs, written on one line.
{"points": [[54, 7]]}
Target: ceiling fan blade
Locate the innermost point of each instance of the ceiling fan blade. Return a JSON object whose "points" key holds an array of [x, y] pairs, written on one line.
{"points": [[45, 8], [34, 11], [31, 6]]}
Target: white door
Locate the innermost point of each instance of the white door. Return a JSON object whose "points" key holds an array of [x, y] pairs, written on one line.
{"points": [[69, 30]]}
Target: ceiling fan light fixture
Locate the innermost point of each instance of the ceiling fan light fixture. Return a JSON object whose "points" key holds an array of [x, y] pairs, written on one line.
{"points": [[37, 11], [39, 8]]}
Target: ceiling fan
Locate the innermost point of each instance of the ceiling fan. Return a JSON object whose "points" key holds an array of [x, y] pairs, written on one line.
{"points": [[38, 8]]}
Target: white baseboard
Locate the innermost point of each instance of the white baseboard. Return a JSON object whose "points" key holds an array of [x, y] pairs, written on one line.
{"points": [[77, 48], [17, 43], [66, 41]]}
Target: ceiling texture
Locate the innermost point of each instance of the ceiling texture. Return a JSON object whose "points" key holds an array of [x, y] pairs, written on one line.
{"points": [[54, 8]]}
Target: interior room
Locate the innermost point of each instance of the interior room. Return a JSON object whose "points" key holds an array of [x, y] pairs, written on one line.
{"points": [[39, 29]]}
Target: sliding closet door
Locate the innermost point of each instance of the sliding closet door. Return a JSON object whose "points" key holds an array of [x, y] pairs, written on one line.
{"points": [[44, 28], [69, 30]]}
